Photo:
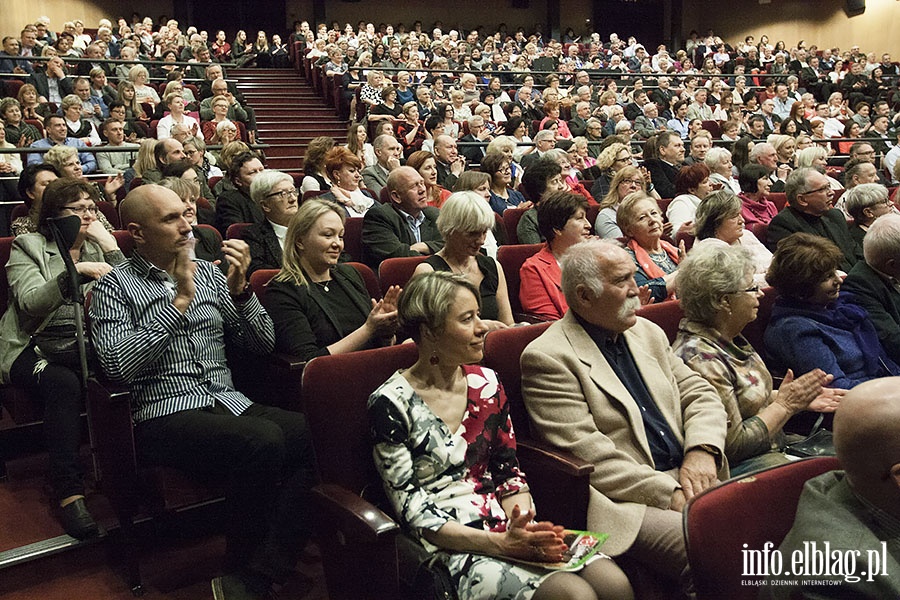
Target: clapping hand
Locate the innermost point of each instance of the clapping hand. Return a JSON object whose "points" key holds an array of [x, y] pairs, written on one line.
{"points": [[382, 319], [527, 540]]}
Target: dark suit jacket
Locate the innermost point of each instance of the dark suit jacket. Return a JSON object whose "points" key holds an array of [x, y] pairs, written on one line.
{"points": [[663, 175], [374, 178], [881, 300], [473, 154], [39, 80], [831, 225], [265, 251], [305, 323], [385, 234], [446, 179], [233, 206], [577, 126]]}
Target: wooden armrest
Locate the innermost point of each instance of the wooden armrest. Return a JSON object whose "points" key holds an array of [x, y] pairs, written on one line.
{"points": [[356, 518], [288, 361], [538, 452], [530, 318]]}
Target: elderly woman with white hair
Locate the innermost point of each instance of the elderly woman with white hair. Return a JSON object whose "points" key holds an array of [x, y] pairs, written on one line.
{"points": [[464, 222], [817, 158], [718, 222], [718, 160], [719, 298], [277, 197], [865, 203]]}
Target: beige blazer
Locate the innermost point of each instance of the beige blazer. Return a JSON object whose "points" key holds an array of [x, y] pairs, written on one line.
{"points": [[577, 403]]}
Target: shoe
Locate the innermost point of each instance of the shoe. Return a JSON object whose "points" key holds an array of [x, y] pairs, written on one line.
{"points": [[232, 587], [77, 521]]}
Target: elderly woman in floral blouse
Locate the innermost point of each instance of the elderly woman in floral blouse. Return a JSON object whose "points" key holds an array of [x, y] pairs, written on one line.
{"points": [[719, 298], [445, 449]]}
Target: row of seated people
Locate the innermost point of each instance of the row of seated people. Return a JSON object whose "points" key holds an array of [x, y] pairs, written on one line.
{"points": [[323, 258], [136, 93]]}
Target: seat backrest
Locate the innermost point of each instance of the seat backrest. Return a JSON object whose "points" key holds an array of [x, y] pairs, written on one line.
{"points": [[19, 210], [235, 231], [259, 282], [722, 522], [666, 314], [124, 241], [398, 271], [369, 278], [335, 391], [761, 231], [779, 199], [511, 259], [511, 218], [353, 237], [502, 351], [311, 194], [210, 229], [110, 212], [384, 196]]}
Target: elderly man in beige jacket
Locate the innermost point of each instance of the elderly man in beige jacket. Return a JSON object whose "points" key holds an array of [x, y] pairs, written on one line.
{"points": [[605, 385]]}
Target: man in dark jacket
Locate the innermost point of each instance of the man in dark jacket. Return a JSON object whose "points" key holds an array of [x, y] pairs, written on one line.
{"points": [[406, 226]]}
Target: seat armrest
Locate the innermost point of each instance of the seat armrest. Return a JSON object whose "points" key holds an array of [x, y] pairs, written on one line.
{"points": [[531, 319], [360, 521], [537, 452]]}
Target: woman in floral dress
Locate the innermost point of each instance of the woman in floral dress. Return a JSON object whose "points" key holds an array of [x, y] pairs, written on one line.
{"points": [[446, 452]]}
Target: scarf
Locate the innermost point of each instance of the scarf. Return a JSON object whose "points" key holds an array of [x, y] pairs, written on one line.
{"points": [[646, 263]]}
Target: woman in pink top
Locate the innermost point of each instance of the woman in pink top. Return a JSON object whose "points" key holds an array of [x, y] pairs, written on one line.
{"points": [[755, 184]]}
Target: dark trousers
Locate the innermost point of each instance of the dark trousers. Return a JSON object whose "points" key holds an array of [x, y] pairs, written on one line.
{"points": [[268, 524], [59, 388]]}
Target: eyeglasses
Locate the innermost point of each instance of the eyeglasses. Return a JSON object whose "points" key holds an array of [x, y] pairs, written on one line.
{"points": [[753, 289], [623, 160], [285, 194], [637, 182], [83, 210], [825, 188]]}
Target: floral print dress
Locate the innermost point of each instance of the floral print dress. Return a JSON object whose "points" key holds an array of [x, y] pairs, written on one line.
{"points": [[433, 475]]}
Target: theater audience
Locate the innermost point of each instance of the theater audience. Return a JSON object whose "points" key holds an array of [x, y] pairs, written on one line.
{"points": [[812, 326], [641, 222], [425, 163], [319, 306], [870, 283], [474, 504], [387, 158], [404, 226], [464, 223], [40, 352], [865, 203], [235, 205], [315, 177], [277, 198], [719, 296], [562, 222], [208, 244], [342, 168], [854, 509], [811, 210], [719, 223], [755, 205], [625, 181], [692, 186], [541, 179], [718, 160], [585, 376], [503, 196]]}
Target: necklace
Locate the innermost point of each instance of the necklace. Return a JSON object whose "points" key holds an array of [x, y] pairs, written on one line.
{"points": [[323, 284]]}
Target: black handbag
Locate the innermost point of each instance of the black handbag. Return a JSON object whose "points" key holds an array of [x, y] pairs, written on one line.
{"points": [[820, 442], [58, 344], [433, 581]]}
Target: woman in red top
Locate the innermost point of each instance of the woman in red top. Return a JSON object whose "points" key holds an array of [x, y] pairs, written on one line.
{"points": [[755, 184], [562, 221], [410, 131], [425, 163]]}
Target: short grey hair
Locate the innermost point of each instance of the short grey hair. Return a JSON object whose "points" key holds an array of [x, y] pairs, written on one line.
{"points": [[713, 211], [264, 182], [862, 197], [716, 156], [426, 300], [556, 154], [501, 142], [806, 156], [464, 212], [759, 149], [709, 272], [882, 240], [580, 266], [796, 183], [544, 134]]}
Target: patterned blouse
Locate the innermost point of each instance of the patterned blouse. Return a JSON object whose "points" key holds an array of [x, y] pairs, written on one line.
{"points": [[432, 475], [740, 377]]}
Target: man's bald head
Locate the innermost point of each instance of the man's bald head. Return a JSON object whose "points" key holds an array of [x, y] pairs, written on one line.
{"points": [[867, 441], [141, 203]]}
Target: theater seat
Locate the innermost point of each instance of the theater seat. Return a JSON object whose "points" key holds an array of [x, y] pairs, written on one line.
{"points": [[398, 271], [511, 259], [721, 522]]}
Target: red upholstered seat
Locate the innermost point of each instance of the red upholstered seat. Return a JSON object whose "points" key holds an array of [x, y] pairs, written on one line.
{"points": [[511, 218], [353, 237], [723, 521], [665, 314], [511, 258], [235, 231], [398, 271]]}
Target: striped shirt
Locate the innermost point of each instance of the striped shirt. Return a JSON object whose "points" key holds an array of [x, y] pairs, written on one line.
{"points": [[173, 362]]}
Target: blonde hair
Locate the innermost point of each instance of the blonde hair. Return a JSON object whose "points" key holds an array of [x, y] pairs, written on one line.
{"points": [[608, 156], [464, 212], [145, 160], [301, 224], [186, 189], [57, 155], [612, 196]]}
